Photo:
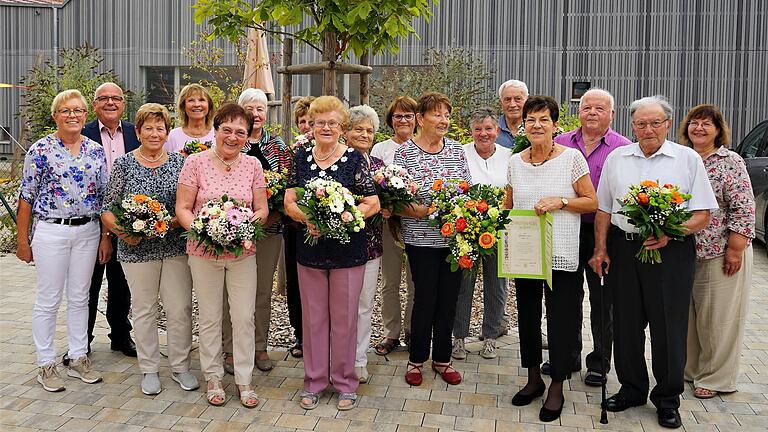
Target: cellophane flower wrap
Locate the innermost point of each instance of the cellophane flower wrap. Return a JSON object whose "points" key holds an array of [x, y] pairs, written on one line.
{"points": [[195, 146], [142, 216], [655, 210], [397, 189], [470, 219], [331, 208], [276, 181], [223, 226]]}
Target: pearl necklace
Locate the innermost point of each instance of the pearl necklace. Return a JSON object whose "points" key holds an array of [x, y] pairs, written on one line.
{"points": [[146, 159], [318, 158], [227, 164]]}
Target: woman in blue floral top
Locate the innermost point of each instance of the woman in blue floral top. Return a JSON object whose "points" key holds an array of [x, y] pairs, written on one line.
{"points": [[61, 195], [155, 265]]}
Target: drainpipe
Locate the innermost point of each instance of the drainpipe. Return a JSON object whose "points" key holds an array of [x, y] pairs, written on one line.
{"points": [[55, 41]]}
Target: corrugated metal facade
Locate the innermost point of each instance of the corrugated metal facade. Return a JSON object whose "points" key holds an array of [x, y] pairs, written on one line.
{"points": [[693, 51]]}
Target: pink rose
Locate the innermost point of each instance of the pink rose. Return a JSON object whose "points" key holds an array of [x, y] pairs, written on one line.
{"points": [[320, 192], [347, 217], [248, 244]]}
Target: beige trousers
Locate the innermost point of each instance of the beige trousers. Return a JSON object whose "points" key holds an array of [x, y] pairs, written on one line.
{"points": [[171, 279], [392, 263], [716, 319], [209, 277], [268, 251]]}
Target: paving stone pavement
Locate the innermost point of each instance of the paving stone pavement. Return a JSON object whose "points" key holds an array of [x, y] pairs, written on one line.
{"points": [[482, 402]]}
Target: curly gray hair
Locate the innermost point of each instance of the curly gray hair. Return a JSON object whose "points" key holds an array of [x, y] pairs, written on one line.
{"points": [[362, 113]]}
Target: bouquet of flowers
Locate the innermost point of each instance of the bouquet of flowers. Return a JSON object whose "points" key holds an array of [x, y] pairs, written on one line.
{"points": [[331, 208], [470, 218], [225, 226], [277, 181], [655, 210], [442, 193], [397, 188], [142, 216], [195, 146]]}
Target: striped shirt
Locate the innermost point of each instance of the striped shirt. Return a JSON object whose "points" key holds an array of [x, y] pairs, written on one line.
{"points": [[449, 163]]}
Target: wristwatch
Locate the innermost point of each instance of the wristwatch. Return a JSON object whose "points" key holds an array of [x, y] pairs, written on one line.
{"points": [[565, 203]]}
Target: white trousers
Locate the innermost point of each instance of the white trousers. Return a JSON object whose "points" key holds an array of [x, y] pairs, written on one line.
{"points": [[365, 310], [64, 257]]}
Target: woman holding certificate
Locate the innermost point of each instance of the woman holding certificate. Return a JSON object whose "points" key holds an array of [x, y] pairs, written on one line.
{"points": [[549, 177]]}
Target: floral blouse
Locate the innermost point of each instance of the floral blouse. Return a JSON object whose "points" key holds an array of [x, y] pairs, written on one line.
{"points": [[130, 177], [374, 226], [728, 176], [59, 185]]}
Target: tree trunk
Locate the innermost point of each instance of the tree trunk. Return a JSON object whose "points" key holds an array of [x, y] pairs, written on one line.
{"points": [[286, 92], [365, 80], [329, 54]]}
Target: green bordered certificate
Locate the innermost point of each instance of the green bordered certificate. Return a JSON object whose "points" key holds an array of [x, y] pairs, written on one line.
{"points": [[525, 247]]}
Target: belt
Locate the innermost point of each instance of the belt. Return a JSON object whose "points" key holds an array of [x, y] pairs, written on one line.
{"points": [[628, 236], [71, 221]]}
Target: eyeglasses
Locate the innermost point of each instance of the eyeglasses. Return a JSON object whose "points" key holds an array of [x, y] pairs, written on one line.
{"points": [[320, 124], [703, 125], [240, 133], [654, 124], [105, 99], [66, 112], [542, 121], [401, 117]]}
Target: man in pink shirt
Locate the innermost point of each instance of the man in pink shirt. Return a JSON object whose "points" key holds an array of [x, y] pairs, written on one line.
{"points": [[118, 138]]}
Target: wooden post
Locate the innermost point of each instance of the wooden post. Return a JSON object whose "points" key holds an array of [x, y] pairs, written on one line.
{"points": [[365, 82], [329, 54], [286, 91]]}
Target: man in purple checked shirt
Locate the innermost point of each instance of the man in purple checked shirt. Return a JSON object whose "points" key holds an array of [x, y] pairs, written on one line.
{"points": [[595, 139]]}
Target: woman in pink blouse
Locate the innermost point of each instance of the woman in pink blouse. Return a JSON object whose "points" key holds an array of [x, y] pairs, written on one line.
{"points": [[209, 175], [723, 276]]}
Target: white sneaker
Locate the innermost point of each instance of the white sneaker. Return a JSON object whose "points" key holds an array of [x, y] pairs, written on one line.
{"points": [[489, 349], [362, 373], [81, 368], [48, 376], [458, 352]]}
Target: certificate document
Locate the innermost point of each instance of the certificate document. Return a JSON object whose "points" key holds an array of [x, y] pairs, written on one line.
{"points": [[525, 246]]}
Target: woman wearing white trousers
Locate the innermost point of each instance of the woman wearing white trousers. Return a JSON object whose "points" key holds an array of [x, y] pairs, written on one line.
{"points": [[62, 188]]}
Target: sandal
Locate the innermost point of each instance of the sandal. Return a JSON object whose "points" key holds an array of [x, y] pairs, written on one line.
{"points": [[386, 346], [347, 397], [312, 398], [248, 397], [215, 395], [297, 351], [413, 375], [702, 393]]}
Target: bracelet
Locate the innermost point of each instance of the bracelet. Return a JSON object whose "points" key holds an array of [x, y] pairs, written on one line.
{"points": [[106, 234]]}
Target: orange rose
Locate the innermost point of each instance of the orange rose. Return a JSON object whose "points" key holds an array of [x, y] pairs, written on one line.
{"points": [[140, 198], [486, 240], [464, 186], [437, 185], [482, 206], [466, 262], [649, 183], [669, 185], [447, 229], [470, 204], [161, 226], [155, 206], [643, 198]]}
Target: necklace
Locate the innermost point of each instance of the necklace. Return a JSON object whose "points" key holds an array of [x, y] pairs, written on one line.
{"points": [[227, 164], [536, 164], [146, 159], [319, 159]]}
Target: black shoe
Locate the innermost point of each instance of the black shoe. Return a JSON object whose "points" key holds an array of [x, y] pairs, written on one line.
{"points": [[546, 368], [594, 379], [669, 418], [521, 399], [618, 403], [65, 360], [548, 415], [126, 347]]}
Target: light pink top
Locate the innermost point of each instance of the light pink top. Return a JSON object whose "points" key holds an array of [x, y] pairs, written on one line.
{"points": [[114, 145], [211, 182], [177, 138]]}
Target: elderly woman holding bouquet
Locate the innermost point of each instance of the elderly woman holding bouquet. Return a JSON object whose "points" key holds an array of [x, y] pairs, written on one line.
{"points": [[62, 187], [195, 109], [138, 209], [363, 124], [430, 157], [215, 258], [550, 178], [275, 159], [331, 252], [720, 295]]}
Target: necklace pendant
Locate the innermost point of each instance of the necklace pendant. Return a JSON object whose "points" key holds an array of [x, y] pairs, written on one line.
{"points": [[229, 168]]}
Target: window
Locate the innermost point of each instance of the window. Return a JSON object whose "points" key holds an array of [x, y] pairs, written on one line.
{"points": [[754, 145], [578, 88], [163, 83]]}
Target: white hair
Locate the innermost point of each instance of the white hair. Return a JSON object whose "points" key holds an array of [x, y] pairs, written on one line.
{"points": [[103, 86], [514, 83], [250, 95], [362, 113], [596, 91], [659, 100]]}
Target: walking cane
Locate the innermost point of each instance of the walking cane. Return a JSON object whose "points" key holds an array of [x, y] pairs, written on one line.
{"points": [[603, 413]]}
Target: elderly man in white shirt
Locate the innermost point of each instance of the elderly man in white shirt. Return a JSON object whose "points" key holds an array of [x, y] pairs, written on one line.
{"points": [[650, 294], [488, 162]]}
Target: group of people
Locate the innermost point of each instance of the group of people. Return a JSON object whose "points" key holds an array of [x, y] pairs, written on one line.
{"points": [[695, 298]]}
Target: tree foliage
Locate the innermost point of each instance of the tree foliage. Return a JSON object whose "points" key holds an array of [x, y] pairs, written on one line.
{"points": [[359, 25], [78, 69]]}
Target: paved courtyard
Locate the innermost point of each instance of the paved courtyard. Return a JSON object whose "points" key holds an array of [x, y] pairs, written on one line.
{"points": [[482, 402]]}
